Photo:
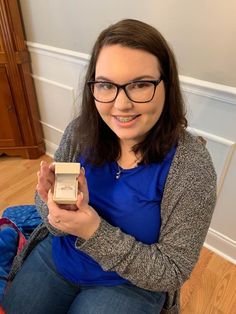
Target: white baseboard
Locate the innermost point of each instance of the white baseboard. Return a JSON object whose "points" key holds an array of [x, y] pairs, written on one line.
{"points": [[50, 148], [221, 245]]}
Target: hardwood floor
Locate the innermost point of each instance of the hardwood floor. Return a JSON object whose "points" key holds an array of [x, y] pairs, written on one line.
{"points": [[211, 288], [18, 178]]}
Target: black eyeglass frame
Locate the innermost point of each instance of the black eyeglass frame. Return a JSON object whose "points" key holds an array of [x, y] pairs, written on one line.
{"points": [[123, 86]]}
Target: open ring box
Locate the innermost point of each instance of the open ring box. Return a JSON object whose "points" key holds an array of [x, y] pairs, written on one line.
{"points": [[66, 182]]}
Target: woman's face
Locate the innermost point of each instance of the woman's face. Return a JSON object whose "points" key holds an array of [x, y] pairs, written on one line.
{"points": [[130, 121]]}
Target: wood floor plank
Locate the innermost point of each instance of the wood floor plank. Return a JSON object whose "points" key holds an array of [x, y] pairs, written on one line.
{"points": [[215, 290], [18, 179]]}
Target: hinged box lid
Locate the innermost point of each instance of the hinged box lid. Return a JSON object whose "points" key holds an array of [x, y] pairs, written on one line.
{"points": [[67, 168]]}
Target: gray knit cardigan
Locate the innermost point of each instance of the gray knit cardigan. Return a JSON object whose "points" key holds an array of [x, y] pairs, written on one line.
{"points": [[186, 210]]}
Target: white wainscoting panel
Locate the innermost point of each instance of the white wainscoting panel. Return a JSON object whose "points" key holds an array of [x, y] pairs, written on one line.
{"points": [[52, 138], [55, 99], [58, 76], [221, 151], [211, 108]]}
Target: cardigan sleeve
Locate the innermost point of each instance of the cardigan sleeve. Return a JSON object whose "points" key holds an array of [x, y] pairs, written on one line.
{"points": [[187, 207]]}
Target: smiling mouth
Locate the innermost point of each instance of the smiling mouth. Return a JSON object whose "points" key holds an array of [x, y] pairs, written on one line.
{"points": [[125, 119]]}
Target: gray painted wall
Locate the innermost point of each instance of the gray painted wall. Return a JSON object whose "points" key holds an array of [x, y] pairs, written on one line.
{"points": [[202, 33]]}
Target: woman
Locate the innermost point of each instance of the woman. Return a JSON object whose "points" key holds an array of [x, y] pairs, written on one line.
{"points": [[146, 192]]}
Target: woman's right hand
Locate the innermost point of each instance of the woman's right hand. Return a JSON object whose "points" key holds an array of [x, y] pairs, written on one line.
{"points": [[46, 179]]}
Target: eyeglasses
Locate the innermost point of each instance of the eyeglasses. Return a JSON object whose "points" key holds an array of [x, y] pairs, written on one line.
{"points": [[140, 91]]}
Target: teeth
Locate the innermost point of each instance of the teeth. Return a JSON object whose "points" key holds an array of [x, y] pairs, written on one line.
{"points": [[124, 119]]}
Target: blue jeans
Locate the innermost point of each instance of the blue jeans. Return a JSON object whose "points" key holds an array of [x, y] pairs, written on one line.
{"points": [[39, 289]]}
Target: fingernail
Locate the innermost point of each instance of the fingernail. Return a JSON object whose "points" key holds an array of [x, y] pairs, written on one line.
{"points": [[82, 195], [83, 170], [52, 166], [41, 163]]}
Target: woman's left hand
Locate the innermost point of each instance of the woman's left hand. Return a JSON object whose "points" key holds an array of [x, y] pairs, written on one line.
{"points": [[82, 222]]}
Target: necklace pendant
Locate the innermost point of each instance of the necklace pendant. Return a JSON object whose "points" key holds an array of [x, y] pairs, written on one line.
{"points": [[118, 175]]}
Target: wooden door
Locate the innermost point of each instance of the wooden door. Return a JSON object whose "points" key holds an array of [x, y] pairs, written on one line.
{"points": [[20, 128], [9, 131]]}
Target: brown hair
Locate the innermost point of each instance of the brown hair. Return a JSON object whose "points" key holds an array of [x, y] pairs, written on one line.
{"points": [[97, 142]]}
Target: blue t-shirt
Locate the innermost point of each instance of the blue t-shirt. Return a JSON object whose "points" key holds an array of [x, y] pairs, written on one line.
{"points": [[131, 203]]}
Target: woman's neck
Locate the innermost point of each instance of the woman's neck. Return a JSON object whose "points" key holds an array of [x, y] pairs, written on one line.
{"points": [[128, 159]]}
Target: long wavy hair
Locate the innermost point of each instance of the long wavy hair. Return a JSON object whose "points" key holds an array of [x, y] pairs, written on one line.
{"points": [[97, 142]]}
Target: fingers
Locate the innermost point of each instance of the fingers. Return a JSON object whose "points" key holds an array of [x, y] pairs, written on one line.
{"points": [[80, 198], [83, 187], [52, 166], [47, 171], [81, 177], [46, 179], [71, 207], [58, 214], [54, 212], [81, 223]]}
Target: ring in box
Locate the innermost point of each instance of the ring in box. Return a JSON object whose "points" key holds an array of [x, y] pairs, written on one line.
{"points": [[66, 184]]}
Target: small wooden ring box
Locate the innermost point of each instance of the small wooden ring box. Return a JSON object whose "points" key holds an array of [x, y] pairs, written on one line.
{"points": [[66, 183]]}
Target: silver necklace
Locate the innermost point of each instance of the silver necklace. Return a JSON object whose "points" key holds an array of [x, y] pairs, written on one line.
{"points": [[120, 170], [118, 173]]}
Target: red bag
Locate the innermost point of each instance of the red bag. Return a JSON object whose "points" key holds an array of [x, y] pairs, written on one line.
{"points": [[5, 222]]}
